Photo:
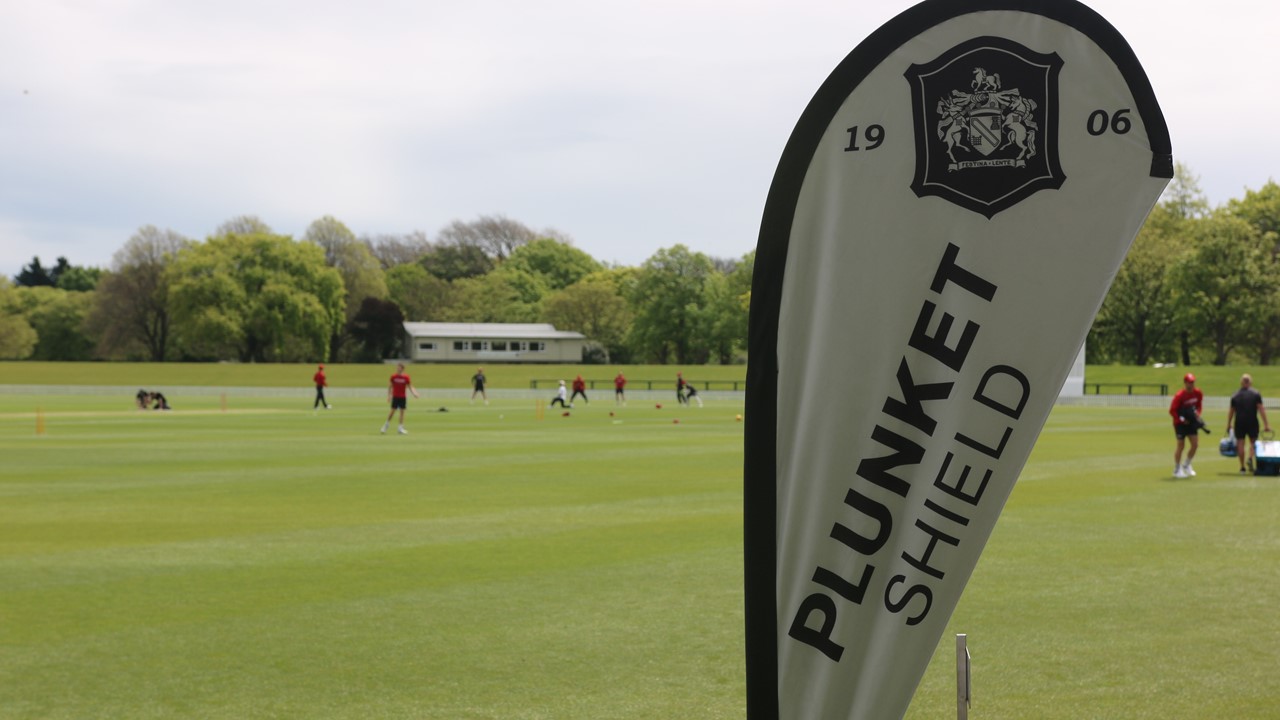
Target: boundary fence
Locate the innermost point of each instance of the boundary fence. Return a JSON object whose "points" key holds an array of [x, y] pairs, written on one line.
{"points": [[1157, 388]]}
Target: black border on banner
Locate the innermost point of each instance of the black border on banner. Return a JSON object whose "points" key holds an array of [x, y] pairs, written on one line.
{"points": [[760, 446]]}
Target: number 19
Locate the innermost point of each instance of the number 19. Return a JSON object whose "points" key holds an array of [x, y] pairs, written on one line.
{"points": [[873, 136]]}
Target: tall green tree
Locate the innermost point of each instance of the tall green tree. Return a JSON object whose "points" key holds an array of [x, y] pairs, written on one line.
{"points": [[1223, 284], [668, 299], [727, 309], [58, 318], [531, 287], [131, 310], [1138, 321], [454, 262], [361, 273], [1181, 205], [422, 297], [17, 338], [493, 298], [258, 298], [378, 328], [558, 263], [1261, 209], [595, 307]]}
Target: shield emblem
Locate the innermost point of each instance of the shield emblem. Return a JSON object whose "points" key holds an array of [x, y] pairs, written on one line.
{"points": [[984, 129], [985, 114]]}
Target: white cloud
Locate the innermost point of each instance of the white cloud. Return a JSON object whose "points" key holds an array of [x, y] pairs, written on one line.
{"points": [[630, 128]]}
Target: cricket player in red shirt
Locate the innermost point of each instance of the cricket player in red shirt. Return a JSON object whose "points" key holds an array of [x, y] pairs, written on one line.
{"points": [[400, 384], [1186, 408], [579, 388], [321, 383]]}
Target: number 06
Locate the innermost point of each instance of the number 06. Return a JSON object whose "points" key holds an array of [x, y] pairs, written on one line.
{"points": [[1118, 122]]}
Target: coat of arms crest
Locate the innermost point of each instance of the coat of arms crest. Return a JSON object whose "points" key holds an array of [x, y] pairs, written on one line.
{"points": [[985, 116]]}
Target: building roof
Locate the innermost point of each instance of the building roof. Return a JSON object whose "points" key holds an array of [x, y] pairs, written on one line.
{"points": [[500, 331]]}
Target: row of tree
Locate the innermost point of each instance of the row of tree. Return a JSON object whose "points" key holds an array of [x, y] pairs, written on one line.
{"points": [[1200, 285], [246, 293]]}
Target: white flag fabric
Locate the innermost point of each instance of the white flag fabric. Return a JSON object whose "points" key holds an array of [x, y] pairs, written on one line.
{"points": [[943, 225]]}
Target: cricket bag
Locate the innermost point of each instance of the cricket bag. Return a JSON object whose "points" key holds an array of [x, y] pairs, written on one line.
{"points": [[1227, 446]]}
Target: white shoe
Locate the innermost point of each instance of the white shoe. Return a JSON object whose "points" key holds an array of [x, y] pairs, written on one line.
{"points": [[402, 431], [328, 407], [383, 430], [1178, 472], [1187, 469]]}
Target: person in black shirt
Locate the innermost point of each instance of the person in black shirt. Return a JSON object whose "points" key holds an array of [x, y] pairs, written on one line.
{"points": [[1246, 406]]}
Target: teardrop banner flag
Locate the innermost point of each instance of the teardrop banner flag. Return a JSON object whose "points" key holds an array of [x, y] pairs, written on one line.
{"points": [[943, 225]]}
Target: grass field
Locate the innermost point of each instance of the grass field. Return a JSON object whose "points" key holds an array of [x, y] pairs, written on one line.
{"points": [[267, 561]]}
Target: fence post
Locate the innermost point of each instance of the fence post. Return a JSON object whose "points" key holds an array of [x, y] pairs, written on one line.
{"points": [[964, 681]]}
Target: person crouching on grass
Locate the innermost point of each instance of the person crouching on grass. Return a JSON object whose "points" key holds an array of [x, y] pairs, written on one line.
{"points": [[691, 394], [1185, 409], [561, 394], [400, 384]]}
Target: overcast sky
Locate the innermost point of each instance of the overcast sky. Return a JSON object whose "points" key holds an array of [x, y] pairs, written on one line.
{"points": [[630, 127]]}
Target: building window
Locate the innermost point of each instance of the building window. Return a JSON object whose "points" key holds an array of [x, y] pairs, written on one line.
{"points": [[461, 345], [537, 346], [500, 345], [427, 346]]}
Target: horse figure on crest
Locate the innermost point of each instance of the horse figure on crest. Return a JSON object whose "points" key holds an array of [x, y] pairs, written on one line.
{"points": [[951, 128], [983, 82], [1019, 128]]}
